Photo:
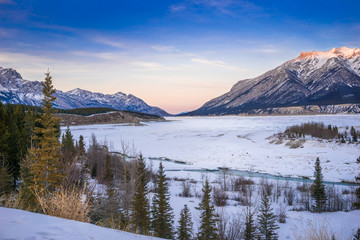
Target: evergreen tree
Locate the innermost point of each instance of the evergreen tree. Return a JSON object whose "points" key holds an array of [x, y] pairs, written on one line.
{"points": [[357, 191], [185, 228], [5, 180], [108, 175], [353, 134], [67, 146], [81, 146], [267, 226], [162, 216], [208, 229], [44, 157], [318, 188], [139, 219], [250, 228], [357, 235]]}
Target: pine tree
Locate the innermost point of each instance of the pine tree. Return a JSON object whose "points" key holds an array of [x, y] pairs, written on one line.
{"points": [[357, 191], [353, 134], [139, 219], [357, 235], [250, 228], [318, 188], [267, 226], [162, 216], [108, 175], [81, 146], [67, 146], [208, 229], [185, 228], [45, 165]]}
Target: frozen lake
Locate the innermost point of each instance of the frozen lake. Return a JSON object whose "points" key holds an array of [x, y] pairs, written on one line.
{"points": [[235, 142]]}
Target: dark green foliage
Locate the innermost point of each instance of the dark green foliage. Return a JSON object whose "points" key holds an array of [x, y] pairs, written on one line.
{"points": [[86, 111], [139, 219], [318, 189], [108, 175], [357, 191], [162, 216], [81, 146], [250, 228], [267, 226], [357, 235], [185, 228], [353, 134], [6, 180], [16, 132], [313, 129], [208, 218], [67, 146]]}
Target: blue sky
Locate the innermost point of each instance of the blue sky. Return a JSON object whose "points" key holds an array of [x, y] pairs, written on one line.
{"points": [[173, 54]]}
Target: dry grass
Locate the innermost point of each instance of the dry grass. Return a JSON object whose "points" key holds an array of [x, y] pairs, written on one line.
{"points": [[11, 201], [71, 203], [319, 229]]}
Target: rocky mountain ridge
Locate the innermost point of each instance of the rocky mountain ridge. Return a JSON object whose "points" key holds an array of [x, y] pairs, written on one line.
{"points": [[313, 78], [14, 89]]}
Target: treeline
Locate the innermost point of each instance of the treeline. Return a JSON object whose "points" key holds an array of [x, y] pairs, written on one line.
{"points": [[17, 125], [319, 130]]}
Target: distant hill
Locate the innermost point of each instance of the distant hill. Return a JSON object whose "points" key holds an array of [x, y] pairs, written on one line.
{"points": [[14, 89], [327, 80]]}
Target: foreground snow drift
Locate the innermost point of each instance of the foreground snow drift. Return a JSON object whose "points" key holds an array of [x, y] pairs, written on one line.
{"points": [[17, 224]]}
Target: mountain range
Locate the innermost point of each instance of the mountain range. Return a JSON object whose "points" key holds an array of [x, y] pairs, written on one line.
{"points": [[313, 78], [14, 89]]}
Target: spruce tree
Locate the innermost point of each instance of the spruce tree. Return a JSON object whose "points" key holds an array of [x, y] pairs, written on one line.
{"points": [[81, 146], [267, 226], [357, 191], [208, 218], [140, 209], [185, 228], [250, 228], [318, 188], [44, 157], [67, 146], [162, 216]]}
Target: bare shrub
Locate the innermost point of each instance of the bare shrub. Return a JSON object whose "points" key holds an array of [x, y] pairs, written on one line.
{"points": [[282, 213], [313, 129], [314, 230], [289, 195], [240, 182], [71, 203], [220, 197], [293, 144], [266, 187], [186, 189]]}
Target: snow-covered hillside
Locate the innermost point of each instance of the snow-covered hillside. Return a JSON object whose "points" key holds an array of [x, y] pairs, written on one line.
{"points": [[22, 225]]}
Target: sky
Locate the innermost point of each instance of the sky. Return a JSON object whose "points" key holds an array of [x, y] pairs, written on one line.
{"points": [[176, 55]]}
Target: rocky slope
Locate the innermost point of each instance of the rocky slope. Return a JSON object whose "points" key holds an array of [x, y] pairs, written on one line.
{"points": [[14, 89], [313, 78]]}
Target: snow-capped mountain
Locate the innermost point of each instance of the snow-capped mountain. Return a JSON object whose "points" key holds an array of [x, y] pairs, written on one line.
{"points": [[14, 89], [313, 78]]}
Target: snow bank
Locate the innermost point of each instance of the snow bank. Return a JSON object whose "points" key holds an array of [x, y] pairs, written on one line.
{"points": [[18, 224]]}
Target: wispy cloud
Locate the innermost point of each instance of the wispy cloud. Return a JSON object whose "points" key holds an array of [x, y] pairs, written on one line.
{"points": [[177, 7], [109, 42], [217, 63], [6, 2], [161, 48], [228, 7]]}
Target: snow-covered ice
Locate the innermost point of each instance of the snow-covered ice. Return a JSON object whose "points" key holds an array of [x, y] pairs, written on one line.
{"points": [[236, 142]]}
